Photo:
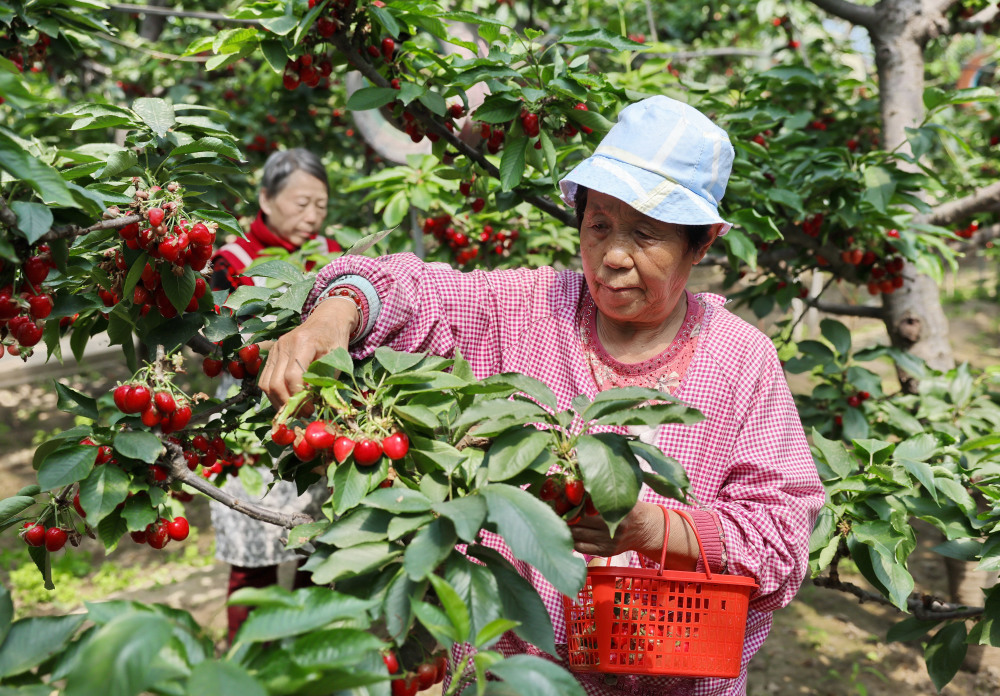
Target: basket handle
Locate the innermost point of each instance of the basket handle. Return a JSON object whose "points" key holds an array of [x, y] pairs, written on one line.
{"points": [[666, 535]]}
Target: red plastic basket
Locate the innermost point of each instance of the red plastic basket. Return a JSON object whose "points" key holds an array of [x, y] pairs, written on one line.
{"points": [[658, 622]]}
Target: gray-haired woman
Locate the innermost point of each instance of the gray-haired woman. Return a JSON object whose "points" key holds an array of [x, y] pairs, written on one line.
{"points": [[293, 197]]}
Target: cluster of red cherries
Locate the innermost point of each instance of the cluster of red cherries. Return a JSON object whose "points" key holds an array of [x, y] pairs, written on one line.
{"points": [[967, 231], [159, 408], [166, 236], [246, 362], [463, 245], [321, 436], [158, 534], [426, 675], [212, 455], [36, 534], [32, 56], [22, 311], [567, 495]]}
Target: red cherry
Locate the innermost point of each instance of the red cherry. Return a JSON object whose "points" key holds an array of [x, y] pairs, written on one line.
{"points": [[40, 306], [388, 47], [35, 536], [200, 234], [574, 491], [157, 535], [138, 537], [893, 233], [36, 270], [441, 665], [253, 366], [396, 445], [191, 458], [282, 435], [367, 452], [119, 394], [77, 506], [426, 672], [158, 472], [248, 353], [178, 529], [55, 538], [164, 402], [319, 436], [407, 686], [290, 80], [864, 396], [342, 448], [150, 277], [137, 399], [478, 205], [28, 334], [180, 417], [853, 401], [200, 288], [211, 367], [155, 216], [200, 442], [551, 489], [236, 369], [391, 661], [150, 417], [394, 83], [303, 450], [218, 446]]}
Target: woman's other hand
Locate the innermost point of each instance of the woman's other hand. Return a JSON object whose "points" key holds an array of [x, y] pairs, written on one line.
{"points": [[642, 531], [329, 327]]}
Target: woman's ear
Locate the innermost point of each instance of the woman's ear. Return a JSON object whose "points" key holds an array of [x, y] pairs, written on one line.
{"points": [[713, 234], [264, 202]]}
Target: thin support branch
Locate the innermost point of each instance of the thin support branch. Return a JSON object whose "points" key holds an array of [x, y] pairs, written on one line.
{"points": [[855, 14], [984, 199], [924, 607], [179, 471], [68, 231], [201, 345], [976, 22], [8, 218], [869, 311], [546, 205]]}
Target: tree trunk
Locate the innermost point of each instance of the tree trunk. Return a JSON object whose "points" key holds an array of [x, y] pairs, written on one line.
{"points": [[915, 319], [152, 24]]}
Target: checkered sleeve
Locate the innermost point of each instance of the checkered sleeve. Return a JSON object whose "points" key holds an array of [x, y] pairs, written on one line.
{"points": [[771, 498], [434, 308]]}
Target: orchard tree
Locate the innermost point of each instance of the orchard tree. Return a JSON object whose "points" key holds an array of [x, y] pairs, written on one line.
{"points": [[110, 210]]}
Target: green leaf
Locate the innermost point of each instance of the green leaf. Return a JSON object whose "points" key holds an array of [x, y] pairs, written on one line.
{"points": [[397, 361], [65, 466], [944, 653], [600, 38], [837, 334], [918, 448], [909, 629], [337, 647], [454, 607], [6, 613], [223, 679], [491, 632], [529, 675], [339, 359], [536, 535], [395, 209], [118, 163], [156, 113], [111, 529], [179, 288], [358, 526], [834, 454], [429, 548], [536, 389], [497, 109], [398, 500], [435, 621], [879, 187], [32, 641], [138, 444], [611, 474], [11, 507], [368, 98], [512, 162], [876, 451], [45, 180], [77, 403], [102, 491], [138, 512], [467, 514], [209, 144], [118, 658], [315, 607], [33, 219], [514, 451], [355, 560], [493, 416], [350, 485], [398, 610]]}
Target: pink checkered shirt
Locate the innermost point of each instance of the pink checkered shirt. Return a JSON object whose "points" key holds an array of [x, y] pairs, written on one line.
{"points": [[748, 461]]}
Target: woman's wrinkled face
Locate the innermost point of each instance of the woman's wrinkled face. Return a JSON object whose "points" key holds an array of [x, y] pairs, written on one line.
{"points": [[636, 267], [297, 211]]}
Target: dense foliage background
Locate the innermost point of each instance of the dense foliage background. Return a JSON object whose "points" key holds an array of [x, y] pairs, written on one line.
{"points": [[866, 144]]}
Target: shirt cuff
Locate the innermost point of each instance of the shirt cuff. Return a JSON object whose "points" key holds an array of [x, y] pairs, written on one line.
{"points": [[372, 305], [709, 530]]}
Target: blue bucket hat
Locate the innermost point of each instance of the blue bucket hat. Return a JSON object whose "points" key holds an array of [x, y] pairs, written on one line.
{"points": [[665, 159]]}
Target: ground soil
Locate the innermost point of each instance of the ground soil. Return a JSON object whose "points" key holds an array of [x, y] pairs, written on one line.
{"points": [[823, 643]]}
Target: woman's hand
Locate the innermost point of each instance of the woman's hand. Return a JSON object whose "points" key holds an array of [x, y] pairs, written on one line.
{"points": [[642, 531], [329, 327]]}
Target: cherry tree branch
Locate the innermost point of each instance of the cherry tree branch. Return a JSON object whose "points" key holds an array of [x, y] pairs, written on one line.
{"points": [[924, 607], [984, 199], [170, 12], [977, 21], [179, 471], [983, 239], [248, 390], [8, 218], [855, 14], [201, 345], [869, 311]]}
